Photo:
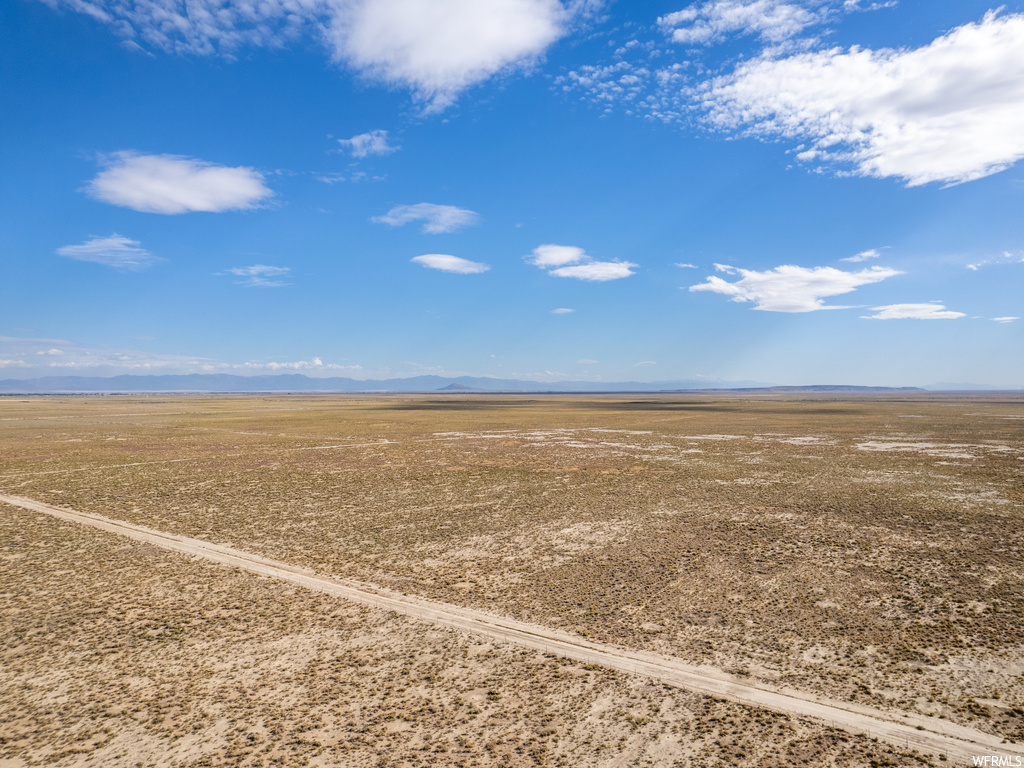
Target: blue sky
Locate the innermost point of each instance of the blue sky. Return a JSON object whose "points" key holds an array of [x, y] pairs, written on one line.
{"points": [[789, 191]]}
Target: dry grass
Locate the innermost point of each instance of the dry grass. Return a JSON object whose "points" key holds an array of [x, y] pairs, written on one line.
{"points": [[120, 654], [865, 548]]}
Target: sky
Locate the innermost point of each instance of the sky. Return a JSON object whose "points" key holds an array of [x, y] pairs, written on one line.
{"points": [[785, 191]]}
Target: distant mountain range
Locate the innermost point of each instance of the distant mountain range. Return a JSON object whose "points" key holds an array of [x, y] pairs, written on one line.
{"points": [[203, 382]]}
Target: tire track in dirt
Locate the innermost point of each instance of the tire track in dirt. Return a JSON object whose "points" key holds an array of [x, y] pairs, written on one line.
{"points": [[905, 731]]}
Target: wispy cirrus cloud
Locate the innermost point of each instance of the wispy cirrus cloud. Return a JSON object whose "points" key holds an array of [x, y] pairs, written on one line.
{"points": [[572, 261], [114, 251], [790, 288], [260, 275], [448, 263], [1006, 257], [435, 48], [1007, 319], [927, 311], [49, 356], [172, 184], [873, 253], [78, 358], [371, 143], [562, 311], [437, 219]]}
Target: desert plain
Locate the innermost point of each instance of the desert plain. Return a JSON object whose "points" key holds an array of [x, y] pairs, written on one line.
{"points": [[864, 550]]}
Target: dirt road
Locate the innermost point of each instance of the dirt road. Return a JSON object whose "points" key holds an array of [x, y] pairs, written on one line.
{"points": [[906, 731]]}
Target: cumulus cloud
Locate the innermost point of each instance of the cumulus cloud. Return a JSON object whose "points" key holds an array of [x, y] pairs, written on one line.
{"points": [[863, 256], [372, 143], [571, 261], [448, 263], [950, 111], [550, 255], [789, 288], [1007, 319], [441, 47], [437, 219], [437, 48], [172, 184], [930, 311], [562, 311], [597, 271], [114, 251], [260, 275], [771, 20]]}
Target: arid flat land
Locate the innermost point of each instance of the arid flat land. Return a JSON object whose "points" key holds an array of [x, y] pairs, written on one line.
{"points": [[863, 549]]}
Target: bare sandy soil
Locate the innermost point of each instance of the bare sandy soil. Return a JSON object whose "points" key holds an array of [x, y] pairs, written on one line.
{"points": [[866, 550]]}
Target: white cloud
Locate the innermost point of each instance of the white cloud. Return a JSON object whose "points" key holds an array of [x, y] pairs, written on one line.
{"points": [[930, 311], [448, 263], [107, 361], [1005, 258], [772, 20], [260, 275], [587, 361], [557, 258], [950, 111], [645, 363], [441, 47], [299, 365], [435, 47], [202, 27], [562, 311], [1004, 319], [856, 5], [437, 219], [372, 143], [597, 271], [75, 357], [863, 256], [687, 266], [114, 251], [550, 255], [789, 288], [172, 184]]}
